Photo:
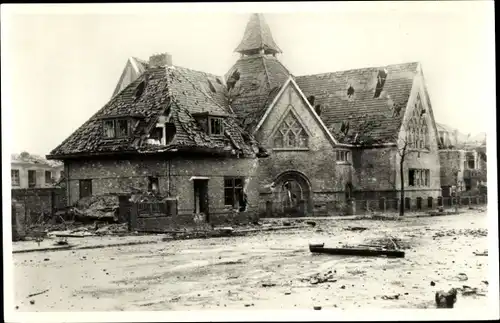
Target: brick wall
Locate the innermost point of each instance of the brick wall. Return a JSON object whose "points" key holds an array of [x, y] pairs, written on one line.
{"points": [[120, 176]]}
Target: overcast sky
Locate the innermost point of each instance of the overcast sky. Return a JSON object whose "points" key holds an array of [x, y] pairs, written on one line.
{"points": [[63, 66]]}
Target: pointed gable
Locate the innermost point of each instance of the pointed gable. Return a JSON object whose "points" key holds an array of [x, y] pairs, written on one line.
{"points": [[257, 37]]}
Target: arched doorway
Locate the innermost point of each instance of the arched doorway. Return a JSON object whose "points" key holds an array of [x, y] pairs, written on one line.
{"points": [[293, 196]]}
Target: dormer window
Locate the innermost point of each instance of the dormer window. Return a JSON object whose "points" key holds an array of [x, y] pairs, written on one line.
{"points": [[215, 126], [116, 128]]}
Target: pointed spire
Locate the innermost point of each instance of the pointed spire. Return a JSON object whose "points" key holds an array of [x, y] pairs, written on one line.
{"points": [[257, 37]]}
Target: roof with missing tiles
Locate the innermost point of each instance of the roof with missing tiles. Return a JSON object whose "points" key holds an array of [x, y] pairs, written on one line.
{"points": [[177, 91], [252, 83], [348, 96]]}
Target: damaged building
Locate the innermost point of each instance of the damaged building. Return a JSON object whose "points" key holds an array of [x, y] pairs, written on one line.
{"points": [[294, 144]]}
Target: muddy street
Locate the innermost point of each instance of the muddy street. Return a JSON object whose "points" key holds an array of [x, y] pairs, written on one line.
{"points": [[272, 270]]}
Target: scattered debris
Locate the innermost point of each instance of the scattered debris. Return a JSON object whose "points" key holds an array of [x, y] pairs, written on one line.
{"points": [[288, 293], [61, 242], [321, 278], [268, 284], [467, 291], [32, 302], [311, 223], [484, 253], [361, 229], [485, 282], [433, 283], [462, 277], [286, 223], [317, 308], [342, 287], [446, 300], [464, 232], [39, 293], [46, 259], [386, 297]]}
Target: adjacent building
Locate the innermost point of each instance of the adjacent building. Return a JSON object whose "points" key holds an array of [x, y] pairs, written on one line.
{"points": [[32, 171]]}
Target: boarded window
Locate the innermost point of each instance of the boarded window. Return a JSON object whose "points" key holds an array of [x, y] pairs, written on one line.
{"points": [[233, 191], [85, 188], [14, 176], [31, 178], [48, 177], [291, 134], [216, 127]]}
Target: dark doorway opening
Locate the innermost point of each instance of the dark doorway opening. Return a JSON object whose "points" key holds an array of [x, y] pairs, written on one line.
{"points": [[201, 197]]}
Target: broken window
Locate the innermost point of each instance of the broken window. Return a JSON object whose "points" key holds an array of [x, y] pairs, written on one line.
{"points": [[139, 90], [350, 91], [381, 77], [14, 176], [317, 108], [343, 155], [109, 129], [169, 132], [85, 188], [153, 184], [231, 82], [157, 133], [290, 134], [419, 177], [216, 126], [122, 128], [233, 191], [471, 162], [411, 177], [48, 177], [31, 178]]}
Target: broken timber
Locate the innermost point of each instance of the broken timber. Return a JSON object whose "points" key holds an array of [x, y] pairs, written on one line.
{"points": [[357, 251]]}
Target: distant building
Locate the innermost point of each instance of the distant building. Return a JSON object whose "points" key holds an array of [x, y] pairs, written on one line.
{"points": [[32, 171], [462, 159]]}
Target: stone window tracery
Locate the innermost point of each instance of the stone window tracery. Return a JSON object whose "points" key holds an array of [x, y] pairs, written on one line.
{"points": [[291, 134], [418, 131]]}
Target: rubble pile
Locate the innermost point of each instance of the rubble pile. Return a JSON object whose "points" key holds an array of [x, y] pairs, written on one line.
{"points": [[320, 278], [463, 232], [98, 207], [389, 243]]}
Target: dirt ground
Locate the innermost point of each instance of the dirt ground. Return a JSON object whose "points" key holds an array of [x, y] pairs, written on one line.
{"points": [[270, 270]]}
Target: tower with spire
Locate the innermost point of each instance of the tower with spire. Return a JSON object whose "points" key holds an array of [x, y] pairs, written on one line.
{"points": [[257, 75], [257, 38]]}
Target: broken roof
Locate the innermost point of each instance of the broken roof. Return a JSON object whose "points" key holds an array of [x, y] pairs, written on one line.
{"points": [[252, 84], [181, 91], [27, 158], [348, 97], [257, 36]]}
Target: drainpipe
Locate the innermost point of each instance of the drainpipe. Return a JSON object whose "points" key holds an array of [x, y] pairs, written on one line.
{"points": [[168, 177]]}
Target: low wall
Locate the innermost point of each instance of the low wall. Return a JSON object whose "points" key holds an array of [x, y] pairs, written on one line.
{"points": [[38, 201]]}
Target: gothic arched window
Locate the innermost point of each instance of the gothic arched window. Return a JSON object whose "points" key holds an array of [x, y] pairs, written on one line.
{"points": [[291, 134], [417, 126]]}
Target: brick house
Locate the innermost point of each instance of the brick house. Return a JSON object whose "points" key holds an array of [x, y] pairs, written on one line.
{"points": [[169, 130], [328, 137]]}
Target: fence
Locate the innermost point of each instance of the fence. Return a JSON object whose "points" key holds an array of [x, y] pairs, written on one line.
{"points": [[40, 204], [384, 205]]}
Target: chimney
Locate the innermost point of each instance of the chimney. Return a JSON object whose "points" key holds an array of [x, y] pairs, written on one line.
{"points": [[160, 60]]}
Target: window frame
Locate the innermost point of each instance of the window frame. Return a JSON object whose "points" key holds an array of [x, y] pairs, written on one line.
{"points": [[418, 177], [80, 182], [211, 129], [13, 174], [115, 127], [151, 181], [281, 138], [51, 178], [32, 184], [234, 189], [342, 156]]}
